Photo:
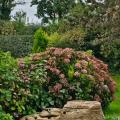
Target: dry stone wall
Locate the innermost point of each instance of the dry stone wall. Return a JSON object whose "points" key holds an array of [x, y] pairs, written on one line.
{"points": [[73, 110]]}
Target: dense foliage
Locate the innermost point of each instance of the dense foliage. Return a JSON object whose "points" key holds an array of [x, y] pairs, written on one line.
{"points": [[7, 64], [7, 28], [74, 38], [54, 39], [110, 52], [18, 45], [17, 37], [4, 116], [20, 86], [17, 28]]}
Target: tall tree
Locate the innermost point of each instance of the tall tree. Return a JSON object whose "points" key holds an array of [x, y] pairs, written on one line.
{"points": [[6, 7], [102, 17], [52, 10]]}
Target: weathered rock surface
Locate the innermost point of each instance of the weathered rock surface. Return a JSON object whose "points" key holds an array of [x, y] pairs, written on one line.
{"points": [[73, 110]]}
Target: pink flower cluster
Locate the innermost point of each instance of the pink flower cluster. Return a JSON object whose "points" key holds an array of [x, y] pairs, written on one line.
{"points": [[57, 88], [66, 60], [78, 65], [54, 70]]}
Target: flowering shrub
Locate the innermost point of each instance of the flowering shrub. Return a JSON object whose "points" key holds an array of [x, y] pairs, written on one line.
{"points": [[50, 79], [74, 75]]}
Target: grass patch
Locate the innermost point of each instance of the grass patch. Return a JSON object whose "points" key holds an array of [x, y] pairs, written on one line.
{"points": [[113, 111]]}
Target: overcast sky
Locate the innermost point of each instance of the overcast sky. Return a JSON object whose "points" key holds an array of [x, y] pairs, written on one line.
{"points": [[31, 11]]}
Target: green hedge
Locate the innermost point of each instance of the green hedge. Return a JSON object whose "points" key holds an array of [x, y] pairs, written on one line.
{"points": [[18, 45]]}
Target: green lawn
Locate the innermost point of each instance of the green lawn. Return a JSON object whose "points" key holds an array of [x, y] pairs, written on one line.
{"points": [[113, 112]]}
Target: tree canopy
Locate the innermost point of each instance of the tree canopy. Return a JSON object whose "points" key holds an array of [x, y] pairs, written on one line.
{"points": [[52, 10]]}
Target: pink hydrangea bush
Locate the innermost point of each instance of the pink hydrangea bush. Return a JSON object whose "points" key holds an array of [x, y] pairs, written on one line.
{"points": [[76, 75]]}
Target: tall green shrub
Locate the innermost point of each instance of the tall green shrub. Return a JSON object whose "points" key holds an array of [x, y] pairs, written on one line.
{"points": [[40, 41]]}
